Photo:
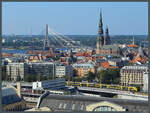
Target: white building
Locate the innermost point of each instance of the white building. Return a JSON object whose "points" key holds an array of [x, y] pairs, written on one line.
{"points": [[49, 84], [145, 82], [133, 75], [16, 69], [62, 71]]}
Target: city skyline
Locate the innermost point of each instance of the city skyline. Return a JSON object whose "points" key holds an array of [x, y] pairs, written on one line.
{"points": [[74, 18]]}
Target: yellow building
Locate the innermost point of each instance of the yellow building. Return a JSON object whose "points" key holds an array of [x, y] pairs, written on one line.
{"points": [[83, 68], [83, 71]]}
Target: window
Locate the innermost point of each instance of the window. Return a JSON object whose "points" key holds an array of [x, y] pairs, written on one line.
{"points": [[104, 108]]}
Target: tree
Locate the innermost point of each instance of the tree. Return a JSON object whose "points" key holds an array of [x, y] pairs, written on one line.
{"points": [[104, 77], [114, 76], [18, 78], [90, 76], [33, 78], [8, 77], [30, 78], [110, 76], [4, 75], [39, 77], [49, 77], [44, 78], [98, 76], [27, 78]]}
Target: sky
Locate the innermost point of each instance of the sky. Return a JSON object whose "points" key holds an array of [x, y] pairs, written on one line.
{"points": [[74, 18]]}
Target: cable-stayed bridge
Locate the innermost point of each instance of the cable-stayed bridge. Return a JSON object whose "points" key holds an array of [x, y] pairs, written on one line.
{"points": [[55, 39]]}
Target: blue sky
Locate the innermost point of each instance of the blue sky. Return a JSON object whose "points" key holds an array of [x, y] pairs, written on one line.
{"points": [[75, 18]]}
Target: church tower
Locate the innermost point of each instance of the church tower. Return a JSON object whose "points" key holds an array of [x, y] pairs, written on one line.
{"points": [[100, 37], [106, 37]]}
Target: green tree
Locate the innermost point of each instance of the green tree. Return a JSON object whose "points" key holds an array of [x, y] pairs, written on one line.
{"points": [[18, 78], [114, 76], [33, 78], [49, 77], [39, 77], [110, 76], [44, 78], [90, 76], [98, 76], [4, 75], [28, 78], [8, 78]]}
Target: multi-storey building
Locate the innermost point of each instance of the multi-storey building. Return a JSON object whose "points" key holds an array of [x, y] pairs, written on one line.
{"points": [[62, 70], [84, 68], [42, 68], [133, 75], [15, 70], [115, 62]]}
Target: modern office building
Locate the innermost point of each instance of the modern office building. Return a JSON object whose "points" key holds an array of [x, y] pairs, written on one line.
{"points": [[42, 68]]}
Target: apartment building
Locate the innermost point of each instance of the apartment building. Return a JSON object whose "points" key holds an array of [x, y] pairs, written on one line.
{"points": [[133, 75], [84, 68], [16, 69], [63, 70]]}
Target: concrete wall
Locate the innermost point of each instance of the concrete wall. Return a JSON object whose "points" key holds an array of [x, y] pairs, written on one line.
{"points": [[133, 97]]}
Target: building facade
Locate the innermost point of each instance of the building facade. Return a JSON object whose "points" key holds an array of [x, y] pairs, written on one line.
{"points": [[83, 69], [145, 82], [42, 68], [62, 71], [16, 69], [133, 75], [49, 84]]}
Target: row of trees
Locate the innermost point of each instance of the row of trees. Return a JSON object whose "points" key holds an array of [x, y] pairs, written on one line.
{"points": [[110, 76], [33, 78]]}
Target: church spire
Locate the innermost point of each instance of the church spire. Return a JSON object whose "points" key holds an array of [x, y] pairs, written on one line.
{"points": [[100, 24], [100, 37], [106, 37]]}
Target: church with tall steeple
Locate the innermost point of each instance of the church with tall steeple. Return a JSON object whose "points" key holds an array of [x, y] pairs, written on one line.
{"points": [[106, 37], [100, 37], [103, 44]]}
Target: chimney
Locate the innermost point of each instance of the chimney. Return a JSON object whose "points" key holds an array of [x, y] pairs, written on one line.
{"points": [[19, 89]]}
